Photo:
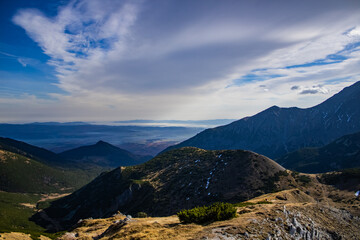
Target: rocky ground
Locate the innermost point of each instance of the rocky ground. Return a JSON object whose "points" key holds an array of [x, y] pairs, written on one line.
{"points": [[313, 212], [310, 211]]}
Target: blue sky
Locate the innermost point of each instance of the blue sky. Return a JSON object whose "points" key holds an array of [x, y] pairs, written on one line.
{"points": [[107, 60]]}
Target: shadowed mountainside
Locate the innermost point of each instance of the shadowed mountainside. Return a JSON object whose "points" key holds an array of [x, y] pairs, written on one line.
{"points": [[21, 173], [27, 150], [277, 131], [103, 154], [339, 154]]}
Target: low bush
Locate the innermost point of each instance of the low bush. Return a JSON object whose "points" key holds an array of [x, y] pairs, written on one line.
{"points": [[344, 175], [216, 212], [304, 179], [141, 215]]}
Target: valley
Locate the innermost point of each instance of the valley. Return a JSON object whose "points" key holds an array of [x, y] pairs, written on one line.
{"points": [[60, 137]]}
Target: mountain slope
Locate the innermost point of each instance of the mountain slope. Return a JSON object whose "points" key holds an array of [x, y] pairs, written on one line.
{"points": [[19, 173], [277, 131], [339, 154], [172, 181], [103, 154], [22, 148]]}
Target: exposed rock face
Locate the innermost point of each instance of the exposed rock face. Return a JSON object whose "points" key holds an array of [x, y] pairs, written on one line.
{"points": [[173, 181], [312, 222], [277, 131]]}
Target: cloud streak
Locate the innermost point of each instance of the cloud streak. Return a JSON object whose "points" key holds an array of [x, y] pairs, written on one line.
{"points": [[165, 59]]}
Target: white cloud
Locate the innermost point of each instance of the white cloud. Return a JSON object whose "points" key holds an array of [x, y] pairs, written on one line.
{"points": [[137, 60], [355, 32]]}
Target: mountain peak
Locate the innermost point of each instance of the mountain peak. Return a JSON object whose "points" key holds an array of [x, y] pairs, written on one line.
{"points": [[101, 142], [274, 107], [103, 154]]}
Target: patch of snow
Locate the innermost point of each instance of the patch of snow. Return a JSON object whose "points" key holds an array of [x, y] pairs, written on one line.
{"points": [[338, 107], [226, 163], [347, 142], [220, 156], [187, 198], [197, 161], [207, 182], [209, 194], [349, 117], [352, 154]]}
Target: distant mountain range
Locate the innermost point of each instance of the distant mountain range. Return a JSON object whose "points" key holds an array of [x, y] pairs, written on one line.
{"points": [[339, 154], [172, 181], [59, 137], [277, 131], [103, 154]]}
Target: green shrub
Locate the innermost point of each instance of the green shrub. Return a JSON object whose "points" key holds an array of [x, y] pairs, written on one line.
{"points": [[206, 214], [304, 179], [264, 202], [283, 173], [141, 215], [344, 175]]}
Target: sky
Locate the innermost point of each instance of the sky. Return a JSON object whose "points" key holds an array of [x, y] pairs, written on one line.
{"points": [[114, 60]]}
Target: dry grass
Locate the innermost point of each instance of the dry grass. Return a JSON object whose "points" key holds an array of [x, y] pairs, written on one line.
{"points": [[19, 236], [314, 201]]}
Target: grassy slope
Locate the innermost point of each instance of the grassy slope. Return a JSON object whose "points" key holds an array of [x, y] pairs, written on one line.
{"points": [[14, 217], [340, 154], [22, 174]]}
